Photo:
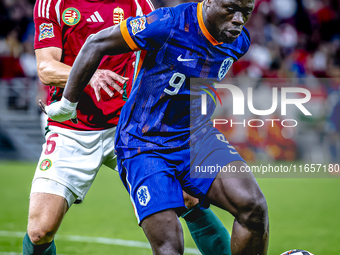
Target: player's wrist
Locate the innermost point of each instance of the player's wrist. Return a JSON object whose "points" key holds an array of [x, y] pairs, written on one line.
{"points": [[62, 110], [65, 103]]}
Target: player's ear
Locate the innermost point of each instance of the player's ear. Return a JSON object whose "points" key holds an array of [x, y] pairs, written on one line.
{"points": [[207, 2]]}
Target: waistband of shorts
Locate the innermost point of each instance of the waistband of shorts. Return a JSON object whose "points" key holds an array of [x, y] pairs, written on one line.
{"points": [[78, 132]]}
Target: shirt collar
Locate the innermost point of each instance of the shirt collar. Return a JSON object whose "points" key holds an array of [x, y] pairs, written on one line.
{"points": [[203, 27]]}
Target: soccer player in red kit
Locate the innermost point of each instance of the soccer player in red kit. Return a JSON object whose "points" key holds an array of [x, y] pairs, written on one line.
{"points": [[74, 152]]}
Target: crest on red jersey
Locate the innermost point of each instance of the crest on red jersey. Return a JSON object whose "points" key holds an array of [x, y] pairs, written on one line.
{"points": [[118, 15], [71, 16]]}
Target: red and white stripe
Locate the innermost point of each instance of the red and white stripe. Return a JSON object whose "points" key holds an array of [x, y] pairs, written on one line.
{"points": [[151, 5], [139, 11], [57, 11], [44, 8]]}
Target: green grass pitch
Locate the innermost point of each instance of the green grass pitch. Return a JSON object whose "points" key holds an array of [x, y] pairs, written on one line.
{"points": [[303, 214]]}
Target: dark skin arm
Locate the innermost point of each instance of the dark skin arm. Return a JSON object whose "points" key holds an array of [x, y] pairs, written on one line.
{"points": [[106, 42]]}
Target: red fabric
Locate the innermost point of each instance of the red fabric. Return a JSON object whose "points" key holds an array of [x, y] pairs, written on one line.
{"points": [[92, 115]]}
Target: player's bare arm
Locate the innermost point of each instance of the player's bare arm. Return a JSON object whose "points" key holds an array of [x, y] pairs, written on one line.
{"points": [[52, 72], [106, 42]]}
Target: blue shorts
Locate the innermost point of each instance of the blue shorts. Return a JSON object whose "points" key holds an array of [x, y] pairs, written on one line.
{"points": [[155, 179]]}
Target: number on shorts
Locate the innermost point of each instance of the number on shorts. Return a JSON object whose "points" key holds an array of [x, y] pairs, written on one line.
{"points": [[176, 85], [50, 144]]}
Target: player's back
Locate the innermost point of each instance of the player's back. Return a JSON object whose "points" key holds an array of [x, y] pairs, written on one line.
{"points": [[178, 47]]}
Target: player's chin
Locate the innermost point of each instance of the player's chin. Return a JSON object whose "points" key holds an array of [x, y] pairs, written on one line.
{"points": [[227, 37]]}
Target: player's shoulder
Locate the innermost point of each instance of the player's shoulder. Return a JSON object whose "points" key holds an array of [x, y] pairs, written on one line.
{"points": [[179, 9], [246, 35], [246, 40], [184, 10], [47, 4], [175, 14], [47, 8]]}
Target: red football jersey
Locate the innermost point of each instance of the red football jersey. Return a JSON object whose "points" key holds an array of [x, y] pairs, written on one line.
{"points": [[66, 24]]}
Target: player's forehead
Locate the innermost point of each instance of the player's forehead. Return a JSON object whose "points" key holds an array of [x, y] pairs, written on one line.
{"points": [[248, 4]]}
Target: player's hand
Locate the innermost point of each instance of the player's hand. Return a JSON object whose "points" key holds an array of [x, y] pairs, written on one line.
{"points": [[60, 111], [103, 78]]}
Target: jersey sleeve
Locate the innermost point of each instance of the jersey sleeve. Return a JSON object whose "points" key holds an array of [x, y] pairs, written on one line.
{"points": [[148, 32], [146, 6], [246, 41], [47, 24]]}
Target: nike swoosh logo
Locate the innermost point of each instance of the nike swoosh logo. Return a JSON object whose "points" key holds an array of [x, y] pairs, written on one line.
{"points": [[180, 59]]}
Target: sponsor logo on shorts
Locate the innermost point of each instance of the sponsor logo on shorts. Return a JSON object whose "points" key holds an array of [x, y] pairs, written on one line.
{"points": [[71, 16], [143, 195], [45, 164], [118, 15], [46, 31], [137, 25]]}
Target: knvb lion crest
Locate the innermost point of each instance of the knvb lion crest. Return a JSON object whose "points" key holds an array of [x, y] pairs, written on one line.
{"points": [[143, 195], [118, 15], [227, 63]]}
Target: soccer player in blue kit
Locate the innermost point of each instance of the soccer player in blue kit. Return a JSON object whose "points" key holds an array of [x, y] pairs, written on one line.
{"points": [[159, 138]]}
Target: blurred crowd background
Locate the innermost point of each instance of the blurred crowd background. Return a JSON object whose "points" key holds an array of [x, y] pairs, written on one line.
{"points": [[294, 41]]}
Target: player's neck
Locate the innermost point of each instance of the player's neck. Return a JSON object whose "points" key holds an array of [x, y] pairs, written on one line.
{"points": [[206, 22]]}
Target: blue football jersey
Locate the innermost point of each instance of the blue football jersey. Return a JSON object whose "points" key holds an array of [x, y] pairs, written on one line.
{"points": [[176, 46]]}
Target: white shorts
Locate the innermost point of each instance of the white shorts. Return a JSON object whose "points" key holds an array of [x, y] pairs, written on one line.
{"points": [[70, 160]]}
